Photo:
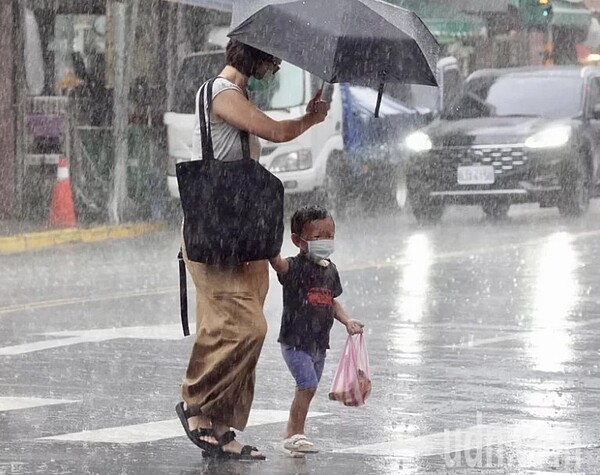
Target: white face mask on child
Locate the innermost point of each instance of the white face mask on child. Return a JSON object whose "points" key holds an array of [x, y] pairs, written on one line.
{"points": [[321, 248]]}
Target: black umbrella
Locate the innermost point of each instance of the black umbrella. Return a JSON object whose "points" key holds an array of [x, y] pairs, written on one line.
{"points": [[357, 41]]}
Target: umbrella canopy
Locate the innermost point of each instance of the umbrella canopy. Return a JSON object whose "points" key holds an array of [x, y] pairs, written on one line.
{"points": [[356, 41]]}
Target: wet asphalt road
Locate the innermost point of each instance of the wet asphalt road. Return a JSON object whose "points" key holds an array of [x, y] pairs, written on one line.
{"points": [[483, 338]]}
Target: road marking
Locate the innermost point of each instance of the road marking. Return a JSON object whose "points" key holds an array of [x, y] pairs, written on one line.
{"points": [[444, 256], [41, 345], [156, 332], [17, 403], [524, 334], [528, 433], [74, 301], [44, 239], [173, 332], [485, 341], [438, 443], [372, 265], [160, 430]]}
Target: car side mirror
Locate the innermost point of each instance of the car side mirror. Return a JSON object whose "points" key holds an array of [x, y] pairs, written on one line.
{"points": [[596, 112]]}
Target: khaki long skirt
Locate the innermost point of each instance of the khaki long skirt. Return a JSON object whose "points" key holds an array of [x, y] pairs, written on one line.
{"points": [[230, 331]]}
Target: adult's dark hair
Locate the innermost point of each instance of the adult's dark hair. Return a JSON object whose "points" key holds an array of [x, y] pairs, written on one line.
{"points": [[307, 214], [246, 59]]}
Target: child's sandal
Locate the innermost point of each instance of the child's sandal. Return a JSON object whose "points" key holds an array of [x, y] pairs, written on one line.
{"points": [[299, 443]]}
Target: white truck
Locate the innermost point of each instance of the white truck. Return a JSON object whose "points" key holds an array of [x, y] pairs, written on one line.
{"points": [[300, 164], [349, 154]]}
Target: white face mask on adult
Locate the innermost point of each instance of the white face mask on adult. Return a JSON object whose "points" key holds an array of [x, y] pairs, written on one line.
{"points": [[320, 248]]}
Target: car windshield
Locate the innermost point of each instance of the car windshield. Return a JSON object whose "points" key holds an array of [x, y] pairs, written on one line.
{"points": [[272, 95], [521, 96]]}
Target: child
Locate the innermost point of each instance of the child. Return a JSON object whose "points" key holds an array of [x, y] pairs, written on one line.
{"points": [[310, 286]]}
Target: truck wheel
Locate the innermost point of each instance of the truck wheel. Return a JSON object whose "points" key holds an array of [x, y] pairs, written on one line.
{"points": [[335, 192], [425, 209], [575, 191], [496, 209]]}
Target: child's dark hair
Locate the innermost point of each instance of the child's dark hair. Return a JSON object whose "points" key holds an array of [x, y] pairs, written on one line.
{"points": [[306, 215]]}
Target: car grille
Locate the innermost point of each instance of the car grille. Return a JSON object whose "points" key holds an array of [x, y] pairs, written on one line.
{"points": [[503, 159]]}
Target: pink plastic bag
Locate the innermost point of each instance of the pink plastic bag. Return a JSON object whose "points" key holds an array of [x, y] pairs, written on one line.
{"points": [[352, 381]]}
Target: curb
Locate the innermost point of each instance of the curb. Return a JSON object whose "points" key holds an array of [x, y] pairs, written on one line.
{"points": [[41, 240]]}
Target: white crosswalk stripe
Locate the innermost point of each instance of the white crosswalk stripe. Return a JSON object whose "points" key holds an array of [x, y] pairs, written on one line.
{"points": [[438, 443], [481, 437], [17, 403], [67, 338], [160, 430], [528, 433]]}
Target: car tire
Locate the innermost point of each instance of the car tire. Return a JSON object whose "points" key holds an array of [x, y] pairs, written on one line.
{"points": [[496, 210], [575, 191], [425, 209], [390, 195], [400, 191]]}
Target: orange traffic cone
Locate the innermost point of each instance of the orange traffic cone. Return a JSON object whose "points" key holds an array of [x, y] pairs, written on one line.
{"points": [[62, 209]]}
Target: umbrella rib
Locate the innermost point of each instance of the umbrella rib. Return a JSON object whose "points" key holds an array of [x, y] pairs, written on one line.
{"points": [[413, 34], [337, 48]]}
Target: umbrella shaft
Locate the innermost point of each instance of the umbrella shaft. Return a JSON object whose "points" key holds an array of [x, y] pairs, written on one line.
{"points": [[379, 97]]}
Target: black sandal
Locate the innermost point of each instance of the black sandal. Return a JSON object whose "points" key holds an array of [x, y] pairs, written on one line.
{"points": [[244, 454], [195, 434]]}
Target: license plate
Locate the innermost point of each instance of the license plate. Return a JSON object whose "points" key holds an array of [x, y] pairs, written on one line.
{"points": [[481, 175]]}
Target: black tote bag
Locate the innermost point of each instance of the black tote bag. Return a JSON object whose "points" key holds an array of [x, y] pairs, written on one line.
{"points": [[232, 211]]}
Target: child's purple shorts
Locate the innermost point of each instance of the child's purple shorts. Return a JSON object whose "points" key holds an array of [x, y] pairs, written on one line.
{"points": [[306, 368]]}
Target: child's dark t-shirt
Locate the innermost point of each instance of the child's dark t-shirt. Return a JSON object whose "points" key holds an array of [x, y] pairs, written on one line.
{"points": [[308, 313]]}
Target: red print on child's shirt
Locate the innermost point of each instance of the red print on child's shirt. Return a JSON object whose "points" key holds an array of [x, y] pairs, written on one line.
{"points": [[320, 297]]}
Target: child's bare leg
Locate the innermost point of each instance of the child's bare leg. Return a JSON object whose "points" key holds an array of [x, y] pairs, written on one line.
{"points": [[299, 411]]}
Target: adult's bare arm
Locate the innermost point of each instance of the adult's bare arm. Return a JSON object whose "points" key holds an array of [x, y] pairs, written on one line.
{"points": [[280, 265], [236, 110]]}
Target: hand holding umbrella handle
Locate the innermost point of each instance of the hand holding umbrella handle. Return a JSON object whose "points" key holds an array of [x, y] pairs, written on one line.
{"points": [[318, 112], [311, 107], [327, 92]]}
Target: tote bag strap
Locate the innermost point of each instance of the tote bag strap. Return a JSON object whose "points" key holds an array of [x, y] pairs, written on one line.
{"points": [[204, 118], [245, 138], [183, 294], [204, 107]]}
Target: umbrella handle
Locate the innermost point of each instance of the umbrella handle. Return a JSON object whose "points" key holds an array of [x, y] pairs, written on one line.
{"points": [[327, 94]]}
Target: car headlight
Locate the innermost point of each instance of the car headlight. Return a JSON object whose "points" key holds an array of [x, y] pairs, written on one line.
{"points": [[552, 137], [418, 142], [290, 162]]}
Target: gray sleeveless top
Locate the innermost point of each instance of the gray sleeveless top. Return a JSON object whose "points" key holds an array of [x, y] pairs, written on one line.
{"points": [[226, 138]]}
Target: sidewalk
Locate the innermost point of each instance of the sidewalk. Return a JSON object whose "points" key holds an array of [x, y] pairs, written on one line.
{"points": [[16, 237]]}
